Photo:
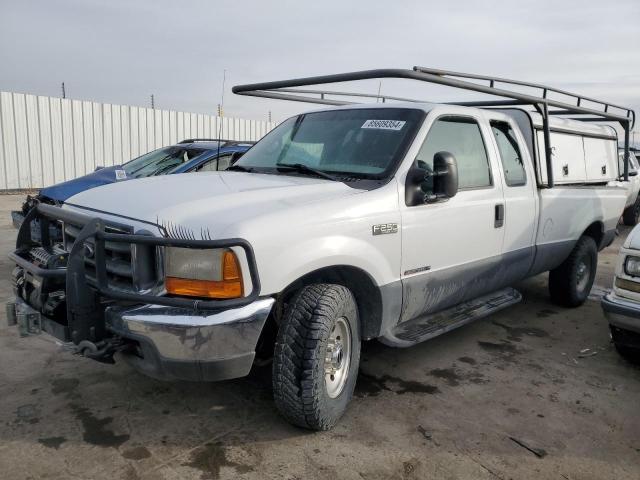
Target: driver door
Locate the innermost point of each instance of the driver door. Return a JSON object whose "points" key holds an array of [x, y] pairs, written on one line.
{"points": [[451, 249]]}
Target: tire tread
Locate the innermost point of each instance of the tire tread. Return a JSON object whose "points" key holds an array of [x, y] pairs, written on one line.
{"points": [[561, 282], [296, 379]]}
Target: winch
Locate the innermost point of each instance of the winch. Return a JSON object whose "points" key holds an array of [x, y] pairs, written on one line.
{"points": [[45, 294]]}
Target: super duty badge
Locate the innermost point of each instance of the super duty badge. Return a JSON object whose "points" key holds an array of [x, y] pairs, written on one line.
{"points": [[384, 228]]}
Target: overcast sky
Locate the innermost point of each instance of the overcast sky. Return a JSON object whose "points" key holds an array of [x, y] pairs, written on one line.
{"points": [[121, 51]]}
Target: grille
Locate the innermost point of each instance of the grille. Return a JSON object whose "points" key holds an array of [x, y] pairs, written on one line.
{"points": [[129, 267]]}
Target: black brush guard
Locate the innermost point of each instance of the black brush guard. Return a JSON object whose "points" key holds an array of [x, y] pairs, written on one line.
{"points": [[85, 296]]}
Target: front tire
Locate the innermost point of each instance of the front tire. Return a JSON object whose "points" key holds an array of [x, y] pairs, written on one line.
{"points": [[317, 355], [631, 214], [571, 282]]}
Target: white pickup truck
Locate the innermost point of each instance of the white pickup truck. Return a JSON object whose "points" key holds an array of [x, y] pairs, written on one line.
{"points": [[622, 304], [396, 221]]}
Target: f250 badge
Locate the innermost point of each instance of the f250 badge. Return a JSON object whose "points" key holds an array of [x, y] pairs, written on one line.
{"points": [[384, 228]]}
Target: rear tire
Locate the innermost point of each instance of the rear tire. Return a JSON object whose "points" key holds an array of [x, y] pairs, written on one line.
{"points": [[631, 214], [319, 334], [571, 282]]}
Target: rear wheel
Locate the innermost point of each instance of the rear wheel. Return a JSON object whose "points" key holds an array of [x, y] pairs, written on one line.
{"points": [[316, 357], [631, 214], [571, 282]]}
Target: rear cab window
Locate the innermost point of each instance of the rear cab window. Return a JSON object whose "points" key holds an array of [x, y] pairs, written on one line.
{"points": [[510, 154]]}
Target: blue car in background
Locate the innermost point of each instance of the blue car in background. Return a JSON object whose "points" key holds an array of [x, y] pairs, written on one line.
{"points": [[192, 155]]}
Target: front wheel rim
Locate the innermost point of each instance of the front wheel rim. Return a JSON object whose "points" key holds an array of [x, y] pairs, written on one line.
{"points": [[337, 358], [582, 274]]}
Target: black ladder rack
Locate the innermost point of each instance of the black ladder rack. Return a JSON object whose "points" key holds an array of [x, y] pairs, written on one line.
{"points": [[574, 104]]}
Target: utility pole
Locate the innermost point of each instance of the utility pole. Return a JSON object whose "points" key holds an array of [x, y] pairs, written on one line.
{"points": [[153, 103], [224, 79], [64, 93]]}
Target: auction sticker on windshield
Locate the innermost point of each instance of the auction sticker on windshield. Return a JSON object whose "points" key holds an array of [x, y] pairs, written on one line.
{"points": [[384, 124], [121, 175]]}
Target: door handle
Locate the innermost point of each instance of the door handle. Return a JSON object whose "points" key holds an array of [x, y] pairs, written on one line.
{"points": [[499, 216]]}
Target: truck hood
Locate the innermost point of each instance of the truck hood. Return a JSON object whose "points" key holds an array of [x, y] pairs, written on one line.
{"points": [[211, 200], [62, 191]]}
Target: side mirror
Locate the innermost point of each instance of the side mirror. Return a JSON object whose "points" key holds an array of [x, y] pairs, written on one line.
{"points": [[445, 176], [426, 186]]}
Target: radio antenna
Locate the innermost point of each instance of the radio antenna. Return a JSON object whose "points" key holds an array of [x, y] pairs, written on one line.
{"points": [[221, 113]]}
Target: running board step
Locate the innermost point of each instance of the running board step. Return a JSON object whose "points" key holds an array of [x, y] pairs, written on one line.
{"points": [[423, 328]]}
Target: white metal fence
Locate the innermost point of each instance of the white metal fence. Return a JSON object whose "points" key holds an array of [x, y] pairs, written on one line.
{"points": [[46, 140]]}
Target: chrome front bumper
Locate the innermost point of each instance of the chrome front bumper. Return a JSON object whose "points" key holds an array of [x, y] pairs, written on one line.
{"points": [[164, 336], [621, 312], [177, 343]]}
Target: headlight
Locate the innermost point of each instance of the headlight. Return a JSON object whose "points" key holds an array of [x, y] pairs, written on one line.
{"points": [[632, 266], [195, 272]]}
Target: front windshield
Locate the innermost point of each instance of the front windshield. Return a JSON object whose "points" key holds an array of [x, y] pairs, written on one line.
{"points": [[363, 143], [160, 161]]}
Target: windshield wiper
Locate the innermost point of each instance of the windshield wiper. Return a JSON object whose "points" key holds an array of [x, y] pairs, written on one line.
{"points": [[162, 170], [240, 168], [302, 168], [159, 162]]}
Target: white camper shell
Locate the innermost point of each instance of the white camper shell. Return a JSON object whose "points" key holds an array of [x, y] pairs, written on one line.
{"points": [[582, 153]]}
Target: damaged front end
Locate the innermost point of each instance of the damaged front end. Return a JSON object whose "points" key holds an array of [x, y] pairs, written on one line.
{"points": [[18, 216], [99, 290]]}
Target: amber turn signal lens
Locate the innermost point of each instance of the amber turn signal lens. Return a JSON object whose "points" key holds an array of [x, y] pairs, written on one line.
{"points": [[230, 267], [203, 288], [229, 287], [627, 285]]}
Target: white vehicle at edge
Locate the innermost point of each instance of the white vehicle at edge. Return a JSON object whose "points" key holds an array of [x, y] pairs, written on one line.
{"points": [[622, 305], [395, 221], [631, 212]]}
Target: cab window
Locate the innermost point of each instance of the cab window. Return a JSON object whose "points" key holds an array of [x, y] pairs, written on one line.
{"points": [[460, 136], [215, 164], [512, 163], [161, 161]]}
